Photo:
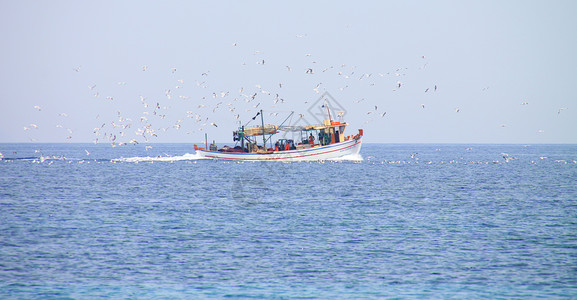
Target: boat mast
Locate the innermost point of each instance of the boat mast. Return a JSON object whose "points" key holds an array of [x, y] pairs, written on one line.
{"points": [[242, 139], [263, 136], [328, 110]]}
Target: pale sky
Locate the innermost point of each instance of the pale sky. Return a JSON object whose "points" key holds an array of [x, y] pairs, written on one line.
{"points": [[504, 71]]}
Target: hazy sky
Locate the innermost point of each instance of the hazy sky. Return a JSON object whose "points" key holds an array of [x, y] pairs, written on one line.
{"points": [[504, 71]]}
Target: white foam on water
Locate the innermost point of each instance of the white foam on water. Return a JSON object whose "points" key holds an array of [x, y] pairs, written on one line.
{"points": [[350, 157], [192, 157], [184, 157]]}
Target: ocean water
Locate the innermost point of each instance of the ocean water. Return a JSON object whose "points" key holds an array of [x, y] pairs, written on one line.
{"points": [[407, 221]]}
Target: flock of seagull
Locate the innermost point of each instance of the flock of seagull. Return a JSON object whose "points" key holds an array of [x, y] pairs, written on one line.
{"points": [[116, 132], [128, 129]]}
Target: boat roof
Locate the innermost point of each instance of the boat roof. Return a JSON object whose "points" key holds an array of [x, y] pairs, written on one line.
{"points": [[313, 127], [272, 129]]}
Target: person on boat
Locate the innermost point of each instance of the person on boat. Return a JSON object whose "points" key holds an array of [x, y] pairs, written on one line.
{"points": [[276, 146], [311, 139], [287, 146]]}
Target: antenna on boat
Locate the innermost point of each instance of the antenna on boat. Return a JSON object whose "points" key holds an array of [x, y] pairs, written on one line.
{"points": [[326, 104], [340, 114]]}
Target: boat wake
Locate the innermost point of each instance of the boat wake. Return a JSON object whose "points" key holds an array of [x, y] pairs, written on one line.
{"points": [[184, 157], [196, 156], [138, 159]]}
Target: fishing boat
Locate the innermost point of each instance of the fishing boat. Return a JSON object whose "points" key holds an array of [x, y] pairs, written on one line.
{"points": [[326, 141]]}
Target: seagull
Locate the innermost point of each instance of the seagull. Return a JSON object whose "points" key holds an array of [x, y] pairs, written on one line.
{"points": [[561, 109], [173, 70], [383, 114], [87, 153], [38, 107], [457, 110], [427, 90], [316, 89], [423, 105], [213, 124], [506, 157]]}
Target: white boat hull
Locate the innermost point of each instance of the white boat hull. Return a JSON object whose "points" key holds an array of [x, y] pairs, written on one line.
{"points": [[329, 152]]}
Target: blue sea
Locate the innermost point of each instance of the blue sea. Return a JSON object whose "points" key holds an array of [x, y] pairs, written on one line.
{"points": [[85, 221]]}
